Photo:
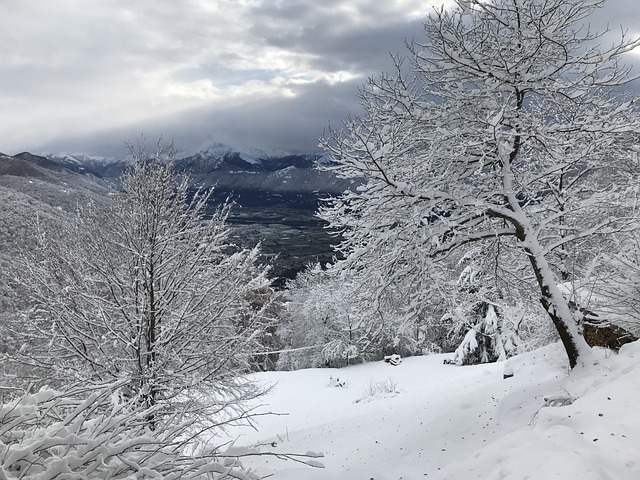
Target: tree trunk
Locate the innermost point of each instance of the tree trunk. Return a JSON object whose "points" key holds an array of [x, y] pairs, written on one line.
{"points": [[557, 306], [568, 340]]}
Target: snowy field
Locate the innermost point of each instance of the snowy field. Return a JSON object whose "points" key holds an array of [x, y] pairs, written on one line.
{"points": [[431, 420]]}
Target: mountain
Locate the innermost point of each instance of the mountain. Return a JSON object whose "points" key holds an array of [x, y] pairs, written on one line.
{"points": [[229, 170], [36, 192], [276, 194], [108, 168], [247, 157], [23, 168], [28, 165], [286, 174]]}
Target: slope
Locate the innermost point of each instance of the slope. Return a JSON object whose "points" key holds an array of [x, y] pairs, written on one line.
{"points": [[430, 420]]}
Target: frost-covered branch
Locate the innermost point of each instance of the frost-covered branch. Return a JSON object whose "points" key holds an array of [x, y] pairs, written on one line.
{"points": [[148, 289], [512, 125]]}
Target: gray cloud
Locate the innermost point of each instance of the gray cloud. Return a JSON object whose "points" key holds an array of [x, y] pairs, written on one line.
{"points": [[291, 124], [86, 76]]}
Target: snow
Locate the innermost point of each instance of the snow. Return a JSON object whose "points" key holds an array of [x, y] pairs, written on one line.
{"points": [[450, 422], [250, 154], [468, 344], [81, 159]]}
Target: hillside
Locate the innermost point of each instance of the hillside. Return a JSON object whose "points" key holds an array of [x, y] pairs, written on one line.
{"points": [[34, 189], [424, 419], [34, 193]]}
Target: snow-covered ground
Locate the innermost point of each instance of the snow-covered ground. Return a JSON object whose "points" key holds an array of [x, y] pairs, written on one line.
{"points": [[450, 422]]}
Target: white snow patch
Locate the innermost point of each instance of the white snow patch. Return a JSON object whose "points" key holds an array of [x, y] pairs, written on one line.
{"points": [[450, 422], [249, 155]]}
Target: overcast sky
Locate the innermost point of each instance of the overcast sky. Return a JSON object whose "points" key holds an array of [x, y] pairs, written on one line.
{"points": [[88, 75]]}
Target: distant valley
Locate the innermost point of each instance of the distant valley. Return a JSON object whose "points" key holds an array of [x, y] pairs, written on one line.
{"points": [[276, 194]]}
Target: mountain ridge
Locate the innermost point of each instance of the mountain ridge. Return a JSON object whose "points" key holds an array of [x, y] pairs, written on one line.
{"points": [[276, 197], [227, 169]]}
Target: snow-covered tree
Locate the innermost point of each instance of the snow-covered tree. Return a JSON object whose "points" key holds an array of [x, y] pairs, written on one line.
{"points": [[511, 124], [491, 305], [607, 295], [475, 310], [323, 327], [334, 319], [148, 291]]}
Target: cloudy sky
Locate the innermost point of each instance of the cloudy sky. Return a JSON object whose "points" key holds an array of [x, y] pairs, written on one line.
{"points": [[88, 75]]}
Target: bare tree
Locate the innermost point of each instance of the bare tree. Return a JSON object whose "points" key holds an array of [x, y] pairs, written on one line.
{"points": [[148, 291], [511, 124]]}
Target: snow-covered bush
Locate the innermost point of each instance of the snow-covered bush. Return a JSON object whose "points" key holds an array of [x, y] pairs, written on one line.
{"points": [[92, 433], [474, 312], [321, 328], [609, 291], [380, 387], [479, 344]]}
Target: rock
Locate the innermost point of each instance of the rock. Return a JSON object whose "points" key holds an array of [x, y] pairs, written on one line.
{"points": [[599, 333]]}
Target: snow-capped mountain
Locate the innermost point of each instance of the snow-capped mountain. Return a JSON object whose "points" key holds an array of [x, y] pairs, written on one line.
{"points": [[253, 156], [228, 169], [231, 170], [223, 157], [27, 166], [276, 193], [104, 167]]}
